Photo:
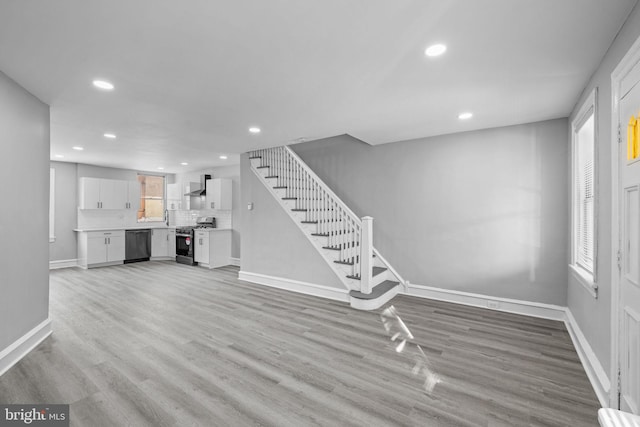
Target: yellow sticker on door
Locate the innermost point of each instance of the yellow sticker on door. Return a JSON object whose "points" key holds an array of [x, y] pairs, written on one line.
{"points": [[633, 138]]}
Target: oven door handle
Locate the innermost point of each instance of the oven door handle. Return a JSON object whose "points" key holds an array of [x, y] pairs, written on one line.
{"points": [[182, 235]]}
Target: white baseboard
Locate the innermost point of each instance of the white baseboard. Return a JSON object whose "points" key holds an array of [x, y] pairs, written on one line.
{"points": [[527, 308], [234, 261], [592, 366], [63, 263], [337, 294], [19, 349]]}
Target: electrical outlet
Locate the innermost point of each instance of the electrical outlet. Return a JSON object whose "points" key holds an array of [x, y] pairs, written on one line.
{"points": [[493, 304]]}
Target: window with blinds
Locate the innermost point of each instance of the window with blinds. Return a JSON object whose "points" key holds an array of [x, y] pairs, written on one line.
{"points": [[151, 198], [584, 192]]}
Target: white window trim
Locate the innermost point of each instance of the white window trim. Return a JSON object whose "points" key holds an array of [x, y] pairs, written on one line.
{"points": [[585, 278], [52, 204], [164, 198]]}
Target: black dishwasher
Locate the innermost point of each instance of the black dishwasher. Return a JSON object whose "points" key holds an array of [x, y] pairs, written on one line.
{"points": [[137, 245]]}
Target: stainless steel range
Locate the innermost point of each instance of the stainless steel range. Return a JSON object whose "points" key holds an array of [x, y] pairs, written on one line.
{"points": [[184, 239]]}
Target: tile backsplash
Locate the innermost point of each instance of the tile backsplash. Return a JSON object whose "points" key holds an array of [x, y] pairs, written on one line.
{"points": [[183, 217]]}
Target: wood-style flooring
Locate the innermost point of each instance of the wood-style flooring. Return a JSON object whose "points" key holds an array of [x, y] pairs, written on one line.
{"points": [[165, 344]]}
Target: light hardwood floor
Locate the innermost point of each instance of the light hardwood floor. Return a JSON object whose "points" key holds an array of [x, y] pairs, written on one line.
{"points": [[164, 344]]}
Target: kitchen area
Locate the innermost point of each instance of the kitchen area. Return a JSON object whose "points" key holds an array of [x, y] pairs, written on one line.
{"points": [[123, 216]]}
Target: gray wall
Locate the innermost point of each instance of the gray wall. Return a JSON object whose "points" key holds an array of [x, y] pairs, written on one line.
{"points": [[272, 244], [482, 212], [24, 218], [66, 201], [594, 315]]}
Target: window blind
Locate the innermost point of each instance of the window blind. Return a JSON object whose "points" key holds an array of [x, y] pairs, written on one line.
{"points": [[585, 202]]}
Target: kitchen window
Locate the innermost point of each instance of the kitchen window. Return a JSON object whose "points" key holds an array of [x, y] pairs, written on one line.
{"points": [[152, 198], [584, 180]]}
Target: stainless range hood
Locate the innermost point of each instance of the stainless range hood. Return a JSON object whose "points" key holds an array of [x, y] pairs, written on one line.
{"points": [[202, 191]]}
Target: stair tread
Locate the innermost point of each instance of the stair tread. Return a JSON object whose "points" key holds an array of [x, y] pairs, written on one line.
{"points": [[376, 292], [299, 210], [374, 273], [309, 222], [289, 198], [279, 186], [255, 157], [261, 167], [271, 176]]}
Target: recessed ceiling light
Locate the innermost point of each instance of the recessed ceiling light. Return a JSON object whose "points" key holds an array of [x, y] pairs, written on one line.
{"points": [[78, 148], [435, 50], [160, 168], [110, 135], [223, 157], [184, 163], [60, 156], [102, 84], [465, 116], [254, 129]]}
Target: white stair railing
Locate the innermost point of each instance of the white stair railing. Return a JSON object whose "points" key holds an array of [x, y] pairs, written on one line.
{"points": [[334, 219]]}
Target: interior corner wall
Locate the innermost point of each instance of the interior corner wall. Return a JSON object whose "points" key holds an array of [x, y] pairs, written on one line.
{"points": [[65, 215], [24, 219], [483, 212], [272, 244], [594, 315]]}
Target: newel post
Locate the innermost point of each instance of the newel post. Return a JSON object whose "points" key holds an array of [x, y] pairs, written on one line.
{"points": [[366, 255]]}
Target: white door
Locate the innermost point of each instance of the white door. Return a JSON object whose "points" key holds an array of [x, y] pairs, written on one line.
{"points": [[629, 290], [133, 199], [159, 242], [96, 249], [116, 248], [201, 249], [89, 193], [113, 194], [171, 243]]}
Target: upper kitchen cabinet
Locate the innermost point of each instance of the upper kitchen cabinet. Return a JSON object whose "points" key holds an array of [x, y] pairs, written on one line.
{"points": [[175, 195], [219, 194], [98, 193], [133, 195]]}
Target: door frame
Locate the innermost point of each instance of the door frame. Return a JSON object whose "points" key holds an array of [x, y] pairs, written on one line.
{"points": [[626, 64]]}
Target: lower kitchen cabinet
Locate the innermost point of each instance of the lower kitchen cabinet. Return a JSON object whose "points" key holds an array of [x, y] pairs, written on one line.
{"points": [[163, 243], [96, 248], [212, 247]]}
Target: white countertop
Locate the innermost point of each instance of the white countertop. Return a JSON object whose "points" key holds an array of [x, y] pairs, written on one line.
{"points": [[211, 230], [135, 227]]}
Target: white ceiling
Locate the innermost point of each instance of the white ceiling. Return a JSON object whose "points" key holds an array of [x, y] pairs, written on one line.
{"points": [[192, 76]]}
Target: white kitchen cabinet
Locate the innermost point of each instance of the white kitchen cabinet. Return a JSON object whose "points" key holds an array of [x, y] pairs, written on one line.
{"points": [[101, 248], [90, 193], [113, 194], [212, 247], [159, 242], [219, 194], [163, 243], [175, 195], [98, 193], [133, 195], [171, 245], [201, 249]]}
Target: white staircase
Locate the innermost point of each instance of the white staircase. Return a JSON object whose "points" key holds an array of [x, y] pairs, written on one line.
{"points": [[344, 240]]}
